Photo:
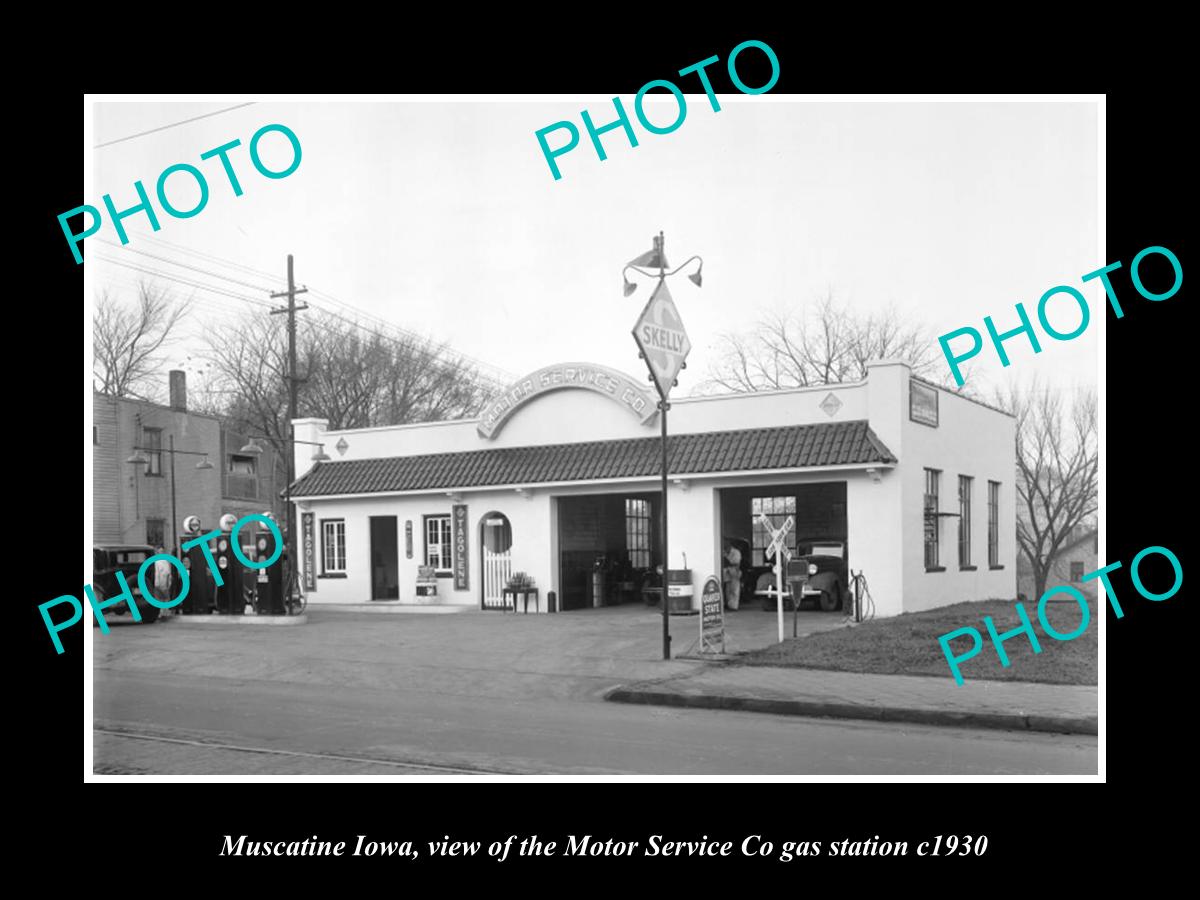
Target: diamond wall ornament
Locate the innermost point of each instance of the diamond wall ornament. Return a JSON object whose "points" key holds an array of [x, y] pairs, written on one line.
{"points": [[831, 405], [342, 446]]}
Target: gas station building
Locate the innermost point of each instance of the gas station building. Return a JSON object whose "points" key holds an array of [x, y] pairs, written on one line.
{"points": [[560, 478]]}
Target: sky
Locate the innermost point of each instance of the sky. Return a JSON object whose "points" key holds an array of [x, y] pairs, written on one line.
{"points": [[442, 217]]}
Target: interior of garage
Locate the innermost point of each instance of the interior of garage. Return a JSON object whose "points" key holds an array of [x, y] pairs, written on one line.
{"points": [[608, 548], [818, 513]]}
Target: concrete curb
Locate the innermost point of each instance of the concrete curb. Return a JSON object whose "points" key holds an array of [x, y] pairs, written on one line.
{"points": [[215, 621], [825, 709], [391, 607]]}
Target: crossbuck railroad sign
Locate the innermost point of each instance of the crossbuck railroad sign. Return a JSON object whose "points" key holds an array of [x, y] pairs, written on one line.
{"points": [[780, 551], [778, 537]]}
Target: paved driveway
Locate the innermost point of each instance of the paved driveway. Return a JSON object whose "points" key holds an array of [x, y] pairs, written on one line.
{"points": [[358, 693], [567, 655]]}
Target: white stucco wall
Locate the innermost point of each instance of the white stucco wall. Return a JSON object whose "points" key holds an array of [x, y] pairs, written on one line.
{"points": [[530, 550], [972, 440], [574, 416], [884, 508]]}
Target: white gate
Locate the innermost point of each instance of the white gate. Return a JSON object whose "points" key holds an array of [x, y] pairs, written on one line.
{"points": [[497, 567], [497, 559]]}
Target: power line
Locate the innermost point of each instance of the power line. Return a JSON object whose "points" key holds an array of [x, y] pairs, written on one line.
{"points": [[168, 276], [427, 343], [228, 263], [418, 345], [172, 262], [130, 137], [407, 339]]}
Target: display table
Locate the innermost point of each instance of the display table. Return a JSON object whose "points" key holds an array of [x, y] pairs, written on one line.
{"points": [[525, 592]]}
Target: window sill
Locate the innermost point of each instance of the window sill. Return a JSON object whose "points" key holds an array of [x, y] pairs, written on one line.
{"points": [[968, 568], [995, 568], [935, 568], [332, 575]]}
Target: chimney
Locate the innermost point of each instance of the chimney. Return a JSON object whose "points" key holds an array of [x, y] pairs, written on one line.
{"points": [[178, 385]]}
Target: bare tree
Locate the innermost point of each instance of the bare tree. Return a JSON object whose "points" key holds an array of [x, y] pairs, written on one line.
{"points": [[1057, 469], [820, 344], [249, 358], [355, 377], [128, 340]]}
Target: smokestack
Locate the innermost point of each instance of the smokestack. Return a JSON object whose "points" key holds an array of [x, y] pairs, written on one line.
{"points": [[178, 385]]}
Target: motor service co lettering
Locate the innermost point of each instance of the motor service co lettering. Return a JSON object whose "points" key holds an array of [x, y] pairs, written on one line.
{"points": [[461, 577]]}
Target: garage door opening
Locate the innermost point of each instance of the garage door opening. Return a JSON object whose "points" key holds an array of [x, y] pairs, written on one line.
{"points": [[608, 549], [818, 513]]}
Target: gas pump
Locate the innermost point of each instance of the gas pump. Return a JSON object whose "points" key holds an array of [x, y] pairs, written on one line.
{"points": [[270, 579], [198, 601], [231, 599]]}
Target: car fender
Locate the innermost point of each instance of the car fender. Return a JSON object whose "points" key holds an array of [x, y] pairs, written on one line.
{"points": [[823, 581]]}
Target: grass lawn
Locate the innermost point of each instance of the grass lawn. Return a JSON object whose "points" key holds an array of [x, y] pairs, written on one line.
{"points": [[908, 645]]}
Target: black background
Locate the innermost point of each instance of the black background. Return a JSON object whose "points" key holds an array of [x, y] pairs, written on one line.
{"points": [[178, 827]]}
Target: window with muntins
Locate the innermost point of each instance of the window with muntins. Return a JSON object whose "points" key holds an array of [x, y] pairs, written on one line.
{"points": [[637, 532], [993, 523], [333, 545], [933, 522], [965, 486], [438, 542], [152, 441], [777, 510]]}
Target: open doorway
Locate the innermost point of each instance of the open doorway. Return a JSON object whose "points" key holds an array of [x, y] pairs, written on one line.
{"points": [[385, 558], [608, 548], [495, 549], [818, 534]]}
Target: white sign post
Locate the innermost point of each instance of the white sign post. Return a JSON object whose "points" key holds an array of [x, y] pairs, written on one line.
{"points": [[779, 550]]}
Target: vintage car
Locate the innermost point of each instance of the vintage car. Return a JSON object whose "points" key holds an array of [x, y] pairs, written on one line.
{"points": [[827, 585], [830, 583], [107, 560]]}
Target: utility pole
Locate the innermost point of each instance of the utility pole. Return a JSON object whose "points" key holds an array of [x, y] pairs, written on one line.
{"points": [[175, 548], [291, 309]]}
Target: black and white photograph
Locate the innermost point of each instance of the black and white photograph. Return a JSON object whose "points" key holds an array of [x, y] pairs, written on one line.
{"points": [[695, 433]]}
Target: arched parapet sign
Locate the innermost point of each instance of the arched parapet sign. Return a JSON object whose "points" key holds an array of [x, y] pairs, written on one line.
{"points": [[617, 386]]}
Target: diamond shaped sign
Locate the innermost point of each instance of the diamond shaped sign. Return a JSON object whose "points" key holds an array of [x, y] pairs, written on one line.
{"points": [[661, 338], [831, 405]]}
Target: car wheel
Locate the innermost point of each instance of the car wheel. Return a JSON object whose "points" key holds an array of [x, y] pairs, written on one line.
{"points": [[150, 614], [830, 600]]}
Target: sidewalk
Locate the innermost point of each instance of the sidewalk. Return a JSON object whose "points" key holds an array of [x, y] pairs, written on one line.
{"points": [[1019, 706]]}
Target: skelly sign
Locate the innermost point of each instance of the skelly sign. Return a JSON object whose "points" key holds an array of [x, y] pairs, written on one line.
{"points": [[620, 388]]}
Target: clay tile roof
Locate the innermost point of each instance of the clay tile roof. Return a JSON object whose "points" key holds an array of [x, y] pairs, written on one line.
{"points": [[764, 449]]}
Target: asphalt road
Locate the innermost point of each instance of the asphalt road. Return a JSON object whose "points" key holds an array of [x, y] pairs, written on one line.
{"points": [[452, 695]]}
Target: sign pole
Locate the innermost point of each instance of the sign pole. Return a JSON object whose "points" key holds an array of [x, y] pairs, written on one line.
{"points": [[779, 589], [664, 406], [663, 344], [778, 547], [666, 627]]}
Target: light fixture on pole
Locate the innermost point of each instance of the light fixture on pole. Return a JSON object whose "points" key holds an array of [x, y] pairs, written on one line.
{"points": [[204, 463], [138, 460], [321, 455], [252, 448]]}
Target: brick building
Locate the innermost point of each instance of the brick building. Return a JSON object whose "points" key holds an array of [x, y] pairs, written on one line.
{"points": [[131, 503]]}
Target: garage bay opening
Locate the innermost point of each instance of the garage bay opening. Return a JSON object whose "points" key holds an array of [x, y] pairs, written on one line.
{"points": [[818, 534], [608, 549]]}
